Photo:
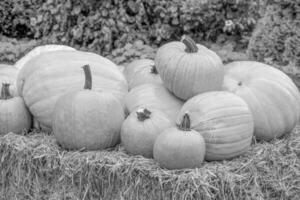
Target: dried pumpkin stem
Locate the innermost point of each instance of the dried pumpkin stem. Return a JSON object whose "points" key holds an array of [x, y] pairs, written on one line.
{"points": [[153, 70], [185, 123], [191, 46], [5, 94], [143, 114], [88, 77]]}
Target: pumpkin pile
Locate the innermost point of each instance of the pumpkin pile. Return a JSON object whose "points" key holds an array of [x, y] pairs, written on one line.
{"points": [[180, 109]]}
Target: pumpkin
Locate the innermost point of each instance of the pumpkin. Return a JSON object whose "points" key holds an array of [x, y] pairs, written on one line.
{"points": [[153, 96], [8, 74], [37, 51], [141, 128], [48, 76], [140, 72], [179, 147], [188, 69], [14, 116], [224, 120], [271, 95], [87, 119]]}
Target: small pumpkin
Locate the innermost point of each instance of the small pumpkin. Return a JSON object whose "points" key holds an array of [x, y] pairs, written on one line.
{"points": [[49, 75], [224, 120], [14, 116], [8, 74], [188, 69], [141, 128], [153, 96], [271, 95], [39, 50], [87, 119], [179, 147], [140, 72]]}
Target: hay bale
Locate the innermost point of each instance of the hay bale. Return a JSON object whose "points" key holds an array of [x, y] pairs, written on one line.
{"points": [[35, 167]]}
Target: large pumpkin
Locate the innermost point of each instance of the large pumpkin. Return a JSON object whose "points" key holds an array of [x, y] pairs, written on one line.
{"points": [[14, 116], [224, 120], [47, 76], [271, 95], [8, 74], [37, 51], [87, 119], [141, 128], [188, 69], [179, 147], [153, 96], [140, 72]]}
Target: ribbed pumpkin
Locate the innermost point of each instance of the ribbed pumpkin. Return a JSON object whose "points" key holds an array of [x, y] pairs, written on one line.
{"points": [[271, 95], [87, 119], [37, 51], [179, 147], [153, 96], [47, 76], [188, 69], [140, 72], [8, 74], [224, 120], [141, 128], [14, 116]]}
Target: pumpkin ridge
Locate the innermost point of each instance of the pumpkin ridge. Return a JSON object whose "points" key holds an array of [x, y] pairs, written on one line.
{"points": [[164, 73], [282, 119], [223, 145], [213, 137], [281, 85], [198, 123], [174, 80]]}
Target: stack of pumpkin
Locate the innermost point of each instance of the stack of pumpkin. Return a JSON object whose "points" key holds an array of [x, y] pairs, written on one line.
{"points": [[180, 109]]}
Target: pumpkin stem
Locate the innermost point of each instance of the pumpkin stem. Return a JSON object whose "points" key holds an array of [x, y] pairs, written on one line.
{"points": [[153, 70], [185, 123], [191, 46], [143, 114], [88, 77], [5, 94]]}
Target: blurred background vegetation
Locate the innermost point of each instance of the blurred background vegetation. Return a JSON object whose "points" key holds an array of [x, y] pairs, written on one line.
{"points": [[264, 30]]}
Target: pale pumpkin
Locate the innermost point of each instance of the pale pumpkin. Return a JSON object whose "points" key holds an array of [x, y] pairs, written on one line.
{"points": [[153, 96], [8, 74], [179, 147], [140, 72], [188, 69], [38, 50], [14, 116], [87, 119], [47, 76], [141, 128], [271, 95], [224, 120]]}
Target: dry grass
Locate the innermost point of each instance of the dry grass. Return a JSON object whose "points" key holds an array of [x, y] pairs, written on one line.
{"points": [[34, 167]]}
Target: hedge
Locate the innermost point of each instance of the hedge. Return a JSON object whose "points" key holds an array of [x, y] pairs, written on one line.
{"points": [[277, 36], [101, 26]]}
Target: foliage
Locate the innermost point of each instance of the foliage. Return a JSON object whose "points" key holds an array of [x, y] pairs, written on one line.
{"points": [[102, 26], [277, 36]]}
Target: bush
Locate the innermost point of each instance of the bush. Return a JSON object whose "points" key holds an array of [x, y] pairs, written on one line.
{"points": [[102, 26], [277, 36]]}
